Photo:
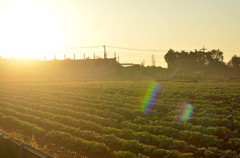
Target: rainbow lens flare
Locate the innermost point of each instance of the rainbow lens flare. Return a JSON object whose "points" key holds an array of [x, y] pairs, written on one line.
{"points": [[186, 112], [151, 97]]}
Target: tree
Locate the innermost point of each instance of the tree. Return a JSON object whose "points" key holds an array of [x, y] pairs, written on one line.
{"points": [[210, 63], [214, 62], [171, 59], [234, 62]]}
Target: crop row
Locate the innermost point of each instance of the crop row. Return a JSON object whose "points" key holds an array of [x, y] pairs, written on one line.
{"points": [[167, 132], [124, 133], [63, 136], [170, 132]]}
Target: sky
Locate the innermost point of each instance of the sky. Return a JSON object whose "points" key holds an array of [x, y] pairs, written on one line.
{"points": [[35, 28]]}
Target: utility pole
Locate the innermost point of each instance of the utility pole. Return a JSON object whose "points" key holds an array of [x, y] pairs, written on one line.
{"points": [[84, 56], [94, 56], [143, 62], [153, 61], [203, 49], [74, 57], [105, 52]]}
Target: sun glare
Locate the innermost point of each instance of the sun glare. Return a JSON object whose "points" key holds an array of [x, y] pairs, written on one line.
{"points": [[29, 30]]}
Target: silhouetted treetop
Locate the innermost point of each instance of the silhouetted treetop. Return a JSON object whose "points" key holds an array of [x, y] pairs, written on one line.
{"points": [[188, 62], [234, 62]]}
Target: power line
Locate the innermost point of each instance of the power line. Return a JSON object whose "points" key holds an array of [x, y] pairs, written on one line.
{"points": [[78, 47], [136, 49], [148, 50]]}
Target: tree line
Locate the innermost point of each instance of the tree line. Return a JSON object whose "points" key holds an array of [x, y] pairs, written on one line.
{"points": [[205, 64]]}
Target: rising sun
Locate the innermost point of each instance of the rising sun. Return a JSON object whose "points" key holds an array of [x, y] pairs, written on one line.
{"points": [[29, 30]]}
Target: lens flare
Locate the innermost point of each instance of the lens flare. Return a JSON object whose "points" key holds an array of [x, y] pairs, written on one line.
{"points": [[151, 97], [186, 112]]}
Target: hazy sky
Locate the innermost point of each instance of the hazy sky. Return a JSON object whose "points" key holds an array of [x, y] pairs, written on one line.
{"points": [[146, 24]]}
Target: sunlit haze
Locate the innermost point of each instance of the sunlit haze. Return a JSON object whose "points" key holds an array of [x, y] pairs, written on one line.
{"points": [[35, 28]]}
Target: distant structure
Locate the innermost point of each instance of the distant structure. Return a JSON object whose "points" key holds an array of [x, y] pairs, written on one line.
{"points": [[129, 64], [105, 52]]}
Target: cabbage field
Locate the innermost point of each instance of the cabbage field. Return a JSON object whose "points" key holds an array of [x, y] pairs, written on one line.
{"points": [[121, 119]]}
